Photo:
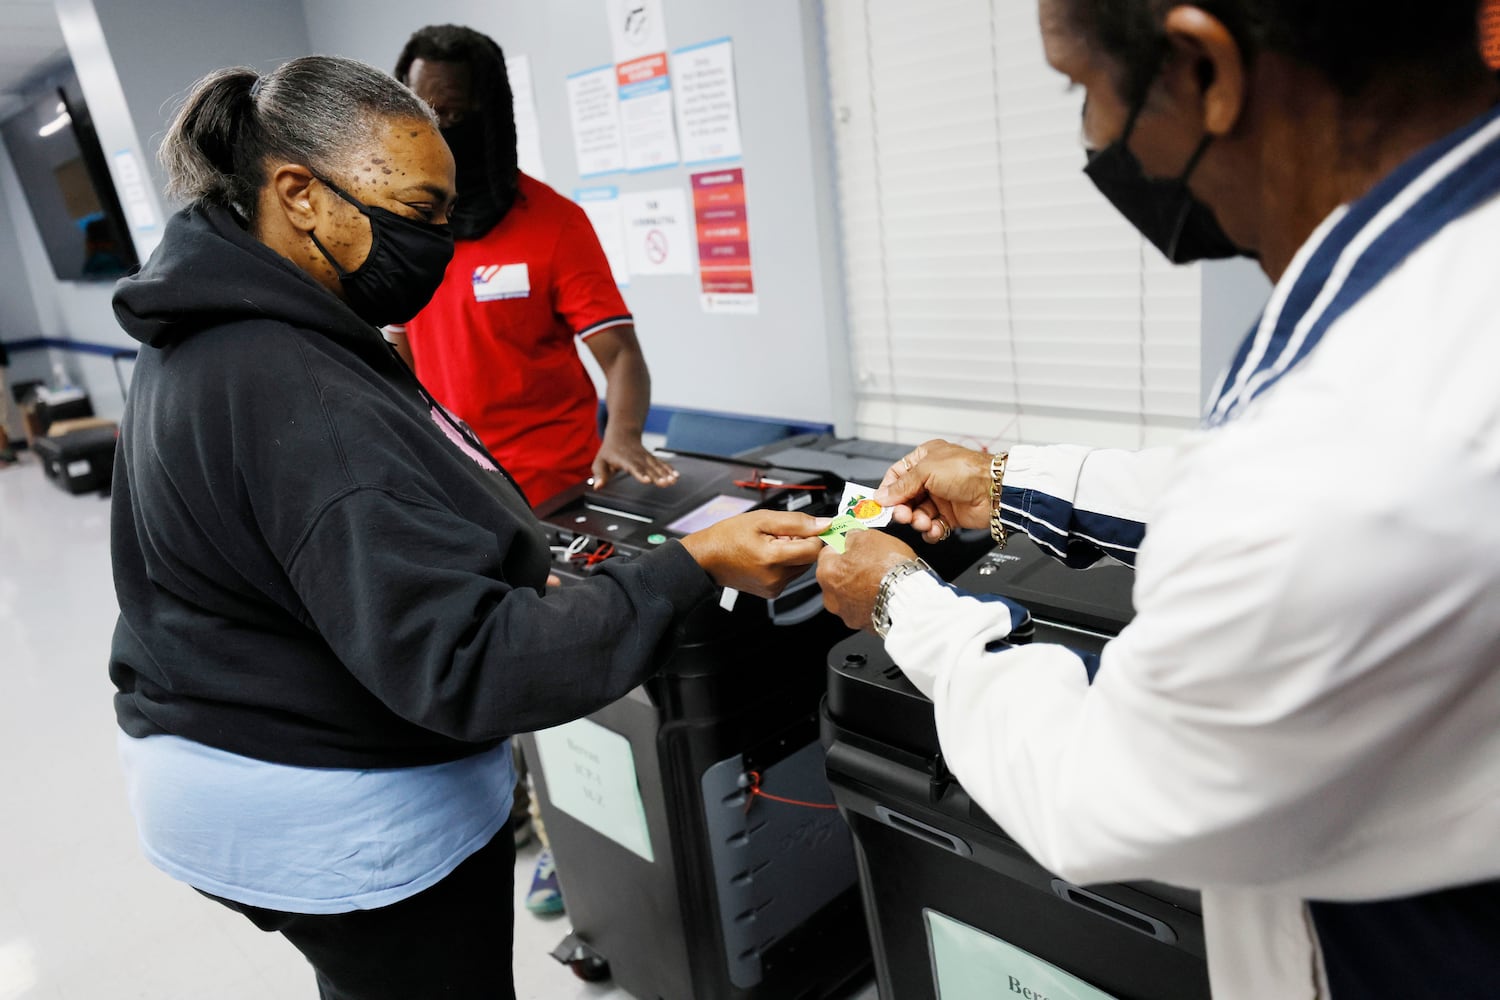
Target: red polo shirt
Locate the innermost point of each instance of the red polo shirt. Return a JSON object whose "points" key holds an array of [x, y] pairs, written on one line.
{"points": [[496, 343]]}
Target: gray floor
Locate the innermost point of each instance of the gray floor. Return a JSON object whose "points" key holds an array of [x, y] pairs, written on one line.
{"points": [[82, 915]]}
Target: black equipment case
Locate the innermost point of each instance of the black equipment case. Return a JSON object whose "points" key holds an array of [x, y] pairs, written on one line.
{"points": [[951, 900], [688, 886], [81, 461]]}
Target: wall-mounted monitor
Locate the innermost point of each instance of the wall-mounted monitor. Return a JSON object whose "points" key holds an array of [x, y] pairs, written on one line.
{"points": [[67, 185]]}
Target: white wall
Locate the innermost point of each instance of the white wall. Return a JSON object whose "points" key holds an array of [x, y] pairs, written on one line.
{"points": [[157, 48], [789, 361], [134, 60], [57, 309], [18, 318]]}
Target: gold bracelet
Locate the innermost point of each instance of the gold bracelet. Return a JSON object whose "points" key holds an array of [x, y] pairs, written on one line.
{"points": [[997, 485]]}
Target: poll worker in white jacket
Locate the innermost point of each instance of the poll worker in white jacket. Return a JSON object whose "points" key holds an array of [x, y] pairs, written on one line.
{"points": [[1303, 720]]}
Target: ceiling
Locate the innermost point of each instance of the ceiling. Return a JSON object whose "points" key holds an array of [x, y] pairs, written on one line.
{"points": [[30, 40]]}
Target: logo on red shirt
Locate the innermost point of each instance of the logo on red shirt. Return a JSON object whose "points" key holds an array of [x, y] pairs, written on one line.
{"points": [[501, 281]]}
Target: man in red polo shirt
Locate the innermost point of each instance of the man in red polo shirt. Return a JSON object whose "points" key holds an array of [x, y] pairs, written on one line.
{"points": [[496, 343]]}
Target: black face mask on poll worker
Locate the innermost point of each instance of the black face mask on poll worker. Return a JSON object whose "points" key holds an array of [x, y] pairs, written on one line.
{"points": [[403, 269], [476, 210], [1165, 211]]}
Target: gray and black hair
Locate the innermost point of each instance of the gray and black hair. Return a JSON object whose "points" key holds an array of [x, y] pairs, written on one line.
{"points": [[1353, 44], [318, 111]]}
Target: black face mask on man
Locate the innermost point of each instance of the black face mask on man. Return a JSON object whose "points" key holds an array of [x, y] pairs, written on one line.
{"points": [[403, 269], [1165, 211], [476, 209]]}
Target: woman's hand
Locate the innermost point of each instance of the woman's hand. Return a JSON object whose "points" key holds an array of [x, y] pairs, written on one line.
{"points": [[851, 581], [938, 487], [759, 552]]}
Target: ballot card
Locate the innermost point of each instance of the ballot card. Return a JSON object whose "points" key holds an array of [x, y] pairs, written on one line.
{"points": [[835, 538], [859, 503]]}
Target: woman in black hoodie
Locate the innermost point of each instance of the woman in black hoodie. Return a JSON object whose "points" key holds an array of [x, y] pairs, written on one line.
{"points": [[332, 602]]}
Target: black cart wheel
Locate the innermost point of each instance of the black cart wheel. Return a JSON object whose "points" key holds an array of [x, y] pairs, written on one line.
{"points": [[586, 963], [590, 969]]}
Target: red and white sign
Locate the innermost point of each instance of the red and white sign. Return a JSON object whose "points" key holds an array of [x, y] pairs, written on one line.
{"points": [[723, 222]]}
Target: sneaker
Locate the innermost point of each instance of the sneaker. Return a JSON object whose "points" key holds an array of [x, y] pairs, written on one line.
{"points": [[8, 456], [545, 897]]}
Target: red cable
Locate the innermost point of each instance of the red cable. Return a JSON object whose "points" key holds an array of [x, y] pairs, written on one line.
{"points": [[755, 791], [601, 552]]}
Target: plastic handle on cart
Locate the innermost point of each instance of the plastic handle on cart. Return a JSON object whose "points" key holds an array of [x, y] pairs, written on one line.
{"points": [[799, 602], [1110, 910], [922, 831]]}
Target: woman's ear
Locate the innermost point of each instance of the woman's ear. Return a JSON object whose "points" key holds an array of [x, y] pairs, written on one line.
{"points": [[1206, 70], [293, 185]]}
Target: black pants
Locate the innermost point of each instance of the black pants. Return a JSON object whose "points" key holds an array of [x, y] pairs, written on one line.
{"points": [[452, 941]]}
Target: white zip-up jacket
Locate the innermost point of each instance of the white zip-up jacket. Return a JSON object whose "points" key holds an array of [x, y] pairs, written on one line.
{"points": [[1307, 704]]}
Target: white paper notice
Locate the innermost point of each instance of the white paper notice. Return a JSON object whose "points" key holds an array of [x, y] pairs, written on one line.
{"points": [[708, 114], [636, 28], [595, 108], [646, 113], [132, 188], [528, 129], [602, 206], [590, 774], [658, 232]]}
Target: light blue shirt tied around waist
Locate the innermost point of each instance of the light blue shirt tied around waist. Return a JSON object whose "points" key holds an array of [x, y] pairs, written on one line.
{"points": [[310, 840]]}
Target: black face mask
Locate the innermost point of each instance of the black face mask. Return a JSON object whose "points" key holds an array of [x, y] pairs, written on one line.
{"points": [[1165, 211], [403, 269], [476, 210]]}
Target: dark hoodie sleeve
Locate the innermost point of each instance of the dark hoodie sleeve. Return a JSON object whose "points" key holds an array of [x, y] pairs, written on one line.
{"points": [[412, 599]]}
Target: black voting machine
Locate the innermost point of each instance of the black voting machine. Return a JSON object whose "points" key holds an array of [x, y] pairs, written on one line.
{"points": [[694, 891], [952, 901], [698, 890]]}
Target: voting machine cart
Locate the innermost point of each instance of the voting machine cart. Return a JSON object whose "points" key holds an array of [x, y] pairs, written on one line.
{"points": [[956, 910], [81, 459], [686, 884]]}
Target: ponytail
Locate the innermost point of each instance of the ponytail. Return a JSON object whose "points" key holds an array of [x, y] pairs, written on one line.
{"points": [[203, 153], [318, 111]]}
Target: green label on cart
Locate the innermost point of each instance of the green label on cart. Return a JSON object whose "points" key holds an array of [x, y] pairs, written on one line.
{"points": [[590, 775], [969, 964]]}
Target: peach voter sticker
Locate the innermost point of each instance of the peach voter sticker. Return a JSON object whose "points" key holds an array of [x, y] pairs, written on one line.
{"points": [[859, 503]]}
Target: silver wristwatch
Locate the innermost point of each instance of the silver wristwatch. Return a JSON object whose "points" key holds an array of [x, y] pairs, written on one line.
{"points": [[880, 617]]}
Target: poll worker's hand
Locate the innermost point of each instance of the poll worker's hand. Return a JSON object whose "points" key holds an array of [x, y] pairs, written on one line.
{"points": [[625, 453], [938, 487], [852, 580], [758, 552]]}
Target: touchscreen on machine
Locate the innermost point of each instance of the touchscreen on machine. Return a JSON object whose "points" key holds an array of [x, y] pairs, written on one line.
{"points": [[711, 513]]}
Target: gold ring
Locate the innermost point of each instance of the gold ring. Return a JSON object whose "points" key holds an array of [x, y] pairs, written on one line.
{"points": [[947, 528]]}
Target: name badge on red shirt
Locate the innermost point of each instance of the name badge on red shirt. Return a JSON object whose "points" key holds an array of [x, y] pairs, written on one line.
{"points": [[501, 281]]}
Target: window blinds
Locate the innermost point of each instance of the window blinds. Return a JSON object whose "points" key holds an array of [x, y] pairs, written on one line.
{"points": [[994, 296]]}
